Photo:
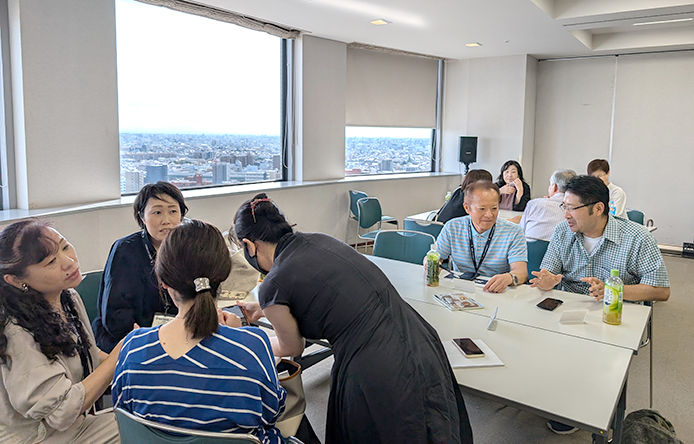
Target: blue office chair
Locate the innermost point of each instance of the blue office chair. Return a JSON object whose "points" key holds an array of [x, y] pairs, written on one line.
{"points": [[88, 290], [368, 214], [636, 216], [401, 245], [429, 227], [354, 196], [136, 430], [536, 252]]}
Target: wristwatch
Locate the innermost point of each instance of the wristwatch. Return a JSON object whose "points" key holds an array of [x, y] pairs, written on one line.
{"points": [[515, 279]]}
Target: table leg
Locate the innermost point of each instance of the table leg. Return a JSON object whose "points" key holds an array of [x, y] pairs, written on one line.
{"points": [[619, 416]]}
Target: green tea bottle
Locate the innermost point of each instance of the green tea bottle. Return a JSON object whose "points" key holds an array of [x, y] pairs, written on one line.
{"points": [[613, 299], [433, 257]]}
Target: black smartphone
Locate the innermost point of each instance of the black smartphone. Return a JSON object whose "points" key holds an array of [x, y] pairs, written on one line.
{"points": [[550, 303], [468, 347], [235, 309]]}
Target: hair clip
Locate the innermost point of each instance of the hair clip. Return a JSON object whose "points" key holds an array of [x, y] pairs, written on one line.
{"points": [[201, 284], [256, 202]]}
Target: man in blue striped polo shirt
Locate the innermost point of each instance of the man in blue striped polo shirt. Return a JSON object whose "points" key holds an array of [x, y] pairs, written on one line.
{"points": [[482, 244]]}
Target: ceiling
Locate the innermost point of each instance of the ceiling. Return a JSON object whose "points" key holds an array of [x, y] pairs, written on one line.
{"points": [[541, 28]]}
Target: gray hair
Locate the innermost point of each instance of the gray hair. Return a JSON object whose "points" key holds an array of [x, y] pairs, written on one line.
{"points": [[561, 179]]}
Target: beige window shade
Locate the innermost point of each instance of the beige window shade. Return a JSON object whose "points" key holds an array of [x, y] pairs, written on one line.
{"points": [[391, 90], [225, 16]]}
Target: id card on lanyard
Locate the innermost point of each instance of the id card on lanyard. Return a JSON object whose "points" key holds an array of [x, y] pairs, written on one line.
{"points": [[484, 252]]}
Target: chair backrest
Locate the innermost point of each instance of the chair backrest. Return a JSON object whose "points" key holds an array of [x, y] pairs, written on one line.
{"points": [[402, 245], [89, 292], [354, 196], [368, 212], [429, 227], [135, 430], [635, 216], [536, 252]]}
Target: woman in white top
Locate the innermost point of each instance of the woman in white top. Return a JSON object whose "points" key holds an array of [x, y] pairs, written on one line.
{"points": [[52, 371]]}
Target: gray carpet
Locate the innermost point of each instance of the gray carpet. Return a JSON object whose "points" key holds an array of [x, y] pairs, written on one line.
{"points": [[673, 362]]}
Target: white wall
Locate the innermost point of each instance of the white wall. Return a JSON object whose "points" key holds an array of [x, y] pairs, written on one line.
{"points": [[65, 101], [499, 110]]}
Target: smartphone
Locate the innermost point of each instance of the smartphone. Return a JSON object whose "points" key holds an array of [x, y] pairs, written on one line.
{"points": [[468, 347], [550, 303], [235, 309]]}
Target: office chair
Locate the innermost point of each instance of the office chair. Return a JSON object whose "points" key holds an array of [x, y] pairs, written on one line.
{"points": [[88, 290], [401, 245]]}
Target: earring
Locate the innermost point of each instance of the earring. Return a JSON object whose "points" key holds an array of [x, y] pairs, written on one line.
{"points": [[25, 287]]}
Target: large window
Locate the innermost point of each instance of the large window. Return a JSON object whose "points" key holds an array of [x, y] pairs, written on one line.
{"points": [[199, 100], [371, 150]]}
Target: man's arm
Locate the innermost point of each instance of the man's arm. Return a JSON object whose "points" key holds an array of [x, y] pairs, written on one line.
{"points": [[500, 282], [634, 293]]}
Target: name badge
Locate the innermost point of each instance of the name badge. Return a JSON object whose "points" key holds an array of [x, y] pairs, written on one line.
{"points": [[161, 319]]}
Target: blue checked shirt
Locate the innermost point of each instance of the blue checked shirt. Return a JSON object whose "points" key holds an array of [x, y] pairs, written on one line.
{"points": [[625, 245], [507, 246]]}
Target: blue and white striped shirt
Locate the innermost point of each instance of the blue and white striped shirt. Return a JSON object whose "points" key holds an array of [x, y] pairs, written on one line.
{"points": [[507, 246], [625, 245], [225, 383]]}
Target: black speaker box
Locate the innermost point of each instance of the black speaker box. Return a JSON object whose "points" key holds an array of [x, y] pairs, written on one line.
{"points": [[468, 149]]}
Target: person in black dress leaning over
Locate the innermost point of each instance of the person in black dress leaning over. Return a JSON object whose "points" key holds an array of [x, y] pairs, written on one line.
{"points": [[391, 381], [129, 293]]}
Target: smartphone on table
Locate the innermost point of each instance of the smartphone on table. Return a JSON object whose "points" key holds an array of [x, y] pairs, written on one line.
{"points": [[235, 309], [468, 347], [550, 303]]}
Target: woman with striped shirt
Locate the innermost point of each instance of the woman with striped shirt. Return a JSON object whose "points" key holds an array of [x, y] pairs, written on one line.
{"points": [[192, 372]]}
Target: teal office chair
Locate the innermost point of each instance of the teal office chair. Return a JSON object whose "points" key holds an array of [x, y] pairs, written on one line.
{"points": [[368, 214], [429, 227], [401, 245], [89, 292], [354, 196], [135, 430], [636, 216], [536, 252]]}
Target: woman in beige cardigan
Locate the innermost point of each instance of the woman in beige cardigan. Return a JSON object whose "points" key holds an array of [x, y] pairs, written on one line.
{"points": [[52, 371]]}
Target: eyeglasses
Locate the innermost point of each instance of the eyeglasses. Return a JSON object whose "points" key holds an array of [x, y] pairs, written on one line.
{"points": [[572, 209]]}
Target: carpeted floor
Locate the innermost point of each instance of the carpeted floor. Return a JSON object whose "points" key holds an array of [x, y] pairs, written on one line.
{"points": [[673, 362]]}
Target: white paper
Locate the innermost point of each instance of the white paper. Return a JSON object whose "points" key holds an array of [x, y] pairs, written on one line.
{"points": [[458, 359], [573, 317]]}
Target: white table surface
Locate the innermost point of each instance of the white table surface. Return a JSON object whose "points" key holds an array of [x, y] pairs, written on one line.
{"points": [[504, 214], [519, 305], [558, 376]]}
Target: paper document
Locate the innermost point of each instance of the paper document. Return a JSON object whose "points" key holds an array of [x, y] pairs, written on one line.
{"points": [[458, 359]]}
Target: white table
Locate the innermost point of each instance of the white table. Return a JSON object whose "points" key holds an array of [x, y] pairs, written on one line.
{"points": [[518, 305], [504, 214]]}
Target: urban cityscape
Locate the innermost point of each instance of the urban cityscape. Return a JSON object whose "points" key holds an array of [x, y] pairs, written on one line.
{"points": [[199, 160]]}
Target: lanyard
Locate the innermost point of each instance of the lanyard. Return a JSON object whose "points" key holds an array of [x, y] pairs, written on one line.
{"points": [[484, 252]]}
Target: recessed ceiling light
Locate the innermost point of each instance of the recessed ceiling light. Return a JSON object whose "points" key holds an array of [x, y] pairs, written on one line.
{"points": [[379, 22], [664, 21], [473, 44]]}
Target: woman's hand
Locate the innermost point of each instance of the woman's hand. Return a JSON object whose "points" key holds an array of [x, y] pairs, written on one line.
{"points": [[252, 310], [228, 319], [507, 189], [519, 186]]}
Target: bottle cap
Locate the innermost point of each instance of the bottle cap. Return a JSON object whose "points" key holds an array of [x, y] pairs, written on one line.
{"points": [[433, 247], [614, 272]]}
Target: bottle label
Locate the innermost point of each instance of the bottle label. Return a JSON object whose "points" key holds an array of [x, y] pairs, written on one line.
{"points": [[612, 304]]}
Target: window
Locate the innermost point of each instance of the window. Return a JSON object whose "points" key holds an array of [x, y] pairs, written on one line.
{"points": [[200, 101], [385, 150]]}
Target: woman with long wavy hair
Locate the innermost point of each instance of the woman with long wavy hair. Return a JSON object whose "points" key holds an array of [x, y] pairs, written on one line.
{"points": [[52, 371]]}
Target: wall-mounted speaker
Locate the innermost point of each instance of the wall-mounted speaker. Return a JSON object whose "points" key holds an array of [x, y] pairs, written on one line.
{"points": [[468, 149]]}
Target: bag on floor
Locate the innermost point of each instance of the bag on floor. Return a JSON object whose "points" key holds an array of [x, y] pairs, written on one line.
{"points": [[295, 405], [646, 427]]}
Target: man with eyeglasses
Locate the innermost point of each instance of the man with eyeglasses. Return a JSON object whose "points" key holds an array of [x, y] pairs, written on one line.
{"points": [[590, 243]]}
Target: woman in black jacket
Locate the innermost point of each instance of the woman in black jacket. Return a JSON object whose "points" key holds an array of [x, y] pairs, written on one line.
{"points": [[515, 192]]}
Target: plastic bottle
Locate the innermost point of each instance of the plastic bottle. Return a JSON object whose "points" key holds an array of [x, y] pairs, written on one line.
{"points": [[613, 208], [613, 299], [432, 271], [448, 196]]}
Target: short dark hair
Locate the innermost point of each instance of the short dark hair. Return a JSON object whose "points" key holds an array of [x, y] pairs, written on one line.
{"points": [[154, 190], [483, 185], [598, 165], [192, 250], [474, 176], [500, 180], [260, 219], [590, 189]]}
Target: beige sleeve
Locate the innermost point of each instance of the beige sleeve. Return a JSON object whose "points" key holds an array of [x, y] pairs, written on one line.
{"points": [[38, 388]]}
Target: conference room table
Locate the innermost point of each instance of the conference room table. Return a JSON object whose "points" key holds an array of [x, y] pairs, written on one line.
{"points": [[574, 374]]}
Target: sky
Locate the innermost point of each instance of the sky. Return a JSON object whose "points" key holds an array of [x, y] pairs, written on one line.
{"points": [[178, 73]]}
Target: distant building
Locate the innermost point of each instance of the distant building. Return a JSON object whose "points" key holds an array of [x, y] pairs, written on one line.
{"points": [[221, 173], [156, 173], [387, 165], [277, 162], [353, 172], [134, 181]]}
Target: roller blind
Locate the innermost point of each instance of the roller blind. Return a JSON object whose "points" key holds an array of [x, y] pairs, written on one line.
{"points": [[390, 90]]}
